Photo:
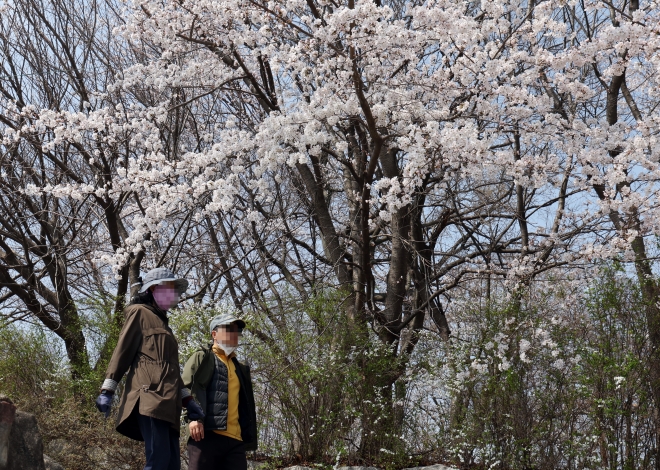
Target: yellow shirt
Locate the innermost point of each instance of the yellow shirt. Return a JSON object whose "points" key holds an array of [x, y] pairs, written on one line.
{"points": [[233, 388]]}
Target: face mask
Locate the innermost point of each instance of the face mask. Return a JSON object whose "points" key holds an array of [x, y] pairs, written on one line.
{"points": [[226, 348], [165, 296]]}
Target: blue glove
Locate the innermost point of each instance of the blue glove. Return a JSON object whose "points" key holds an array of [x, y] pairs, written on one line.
{"points": [[104, 402], [195, 411]]}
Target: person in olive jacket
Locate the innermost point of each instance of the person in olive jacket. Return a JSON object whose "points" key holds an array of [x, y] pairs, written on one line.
{"points": [[150, 407], [223, 387]]}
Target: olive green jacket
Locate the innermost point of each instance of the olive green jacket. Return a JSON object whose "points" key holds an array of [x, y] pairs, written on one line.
{"points": [[197, 374], [148, 351]]}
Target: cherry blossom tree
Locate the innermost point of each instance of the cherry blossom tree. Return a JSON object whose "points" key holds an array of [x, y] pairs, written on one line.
{"points": [[56, 56], [394, 150]]}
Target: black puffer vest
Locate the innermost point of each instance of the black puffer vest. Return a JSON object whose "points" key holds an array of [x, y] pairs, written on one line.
{"points": [[217, 397], [198, 374]]}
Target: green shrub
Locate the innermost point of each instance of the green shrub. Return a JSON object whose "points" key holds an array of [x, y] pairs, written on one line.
{"points": [[555, 380], [35, 376]]}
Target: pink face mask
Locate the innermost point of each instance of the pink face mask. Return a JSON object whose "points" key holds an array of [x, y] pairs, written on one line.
{"points": [[166, 297]]}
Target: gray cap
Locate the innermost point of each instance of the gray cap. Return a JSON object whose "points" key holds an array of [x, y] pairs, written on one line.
{"points": [[158, 276], [226, 319]]}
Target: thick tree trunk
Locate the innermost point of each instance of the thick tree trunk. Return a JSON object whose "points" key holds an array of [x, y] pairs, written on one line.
{"points": [[649, 287], [651, 296]]}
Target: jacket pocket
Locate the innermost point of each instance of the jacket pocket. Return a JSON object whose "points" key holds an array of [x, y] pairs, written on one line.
{"points": [[149, 375], [154, 358]]}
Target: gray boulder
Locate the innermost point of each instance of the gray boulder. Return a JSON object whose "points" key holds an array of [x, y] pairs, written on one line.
{"points": [[26, 450], [253, 465], [7, 415], [432, 467], [21, 447], [51, 464], [58, 447], [358, 468]]}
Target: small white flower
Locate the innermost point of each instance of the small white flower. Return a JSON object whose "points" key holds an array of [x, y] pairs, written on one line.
{"points": [[618, 381], [558, 364]]}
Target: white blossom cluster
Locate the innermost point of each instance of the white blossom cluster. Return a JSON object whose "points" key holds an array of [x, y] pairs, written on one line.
{"points": [[504, 91]]}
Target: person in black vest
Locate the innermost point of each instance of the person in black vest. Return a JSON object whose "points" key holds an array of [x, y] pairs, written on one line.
{"points": [[223, 388]]}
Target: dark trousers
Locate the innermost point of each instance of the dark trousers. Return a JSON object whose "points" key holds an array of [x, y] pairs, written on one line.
{"points": [[161, 444], [216, 452]]}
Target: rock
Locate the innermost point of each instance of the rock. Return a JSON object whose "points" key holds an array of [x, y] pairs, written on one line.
{"points": [[97, 455], [358, 468], [21, 447], [51, 464], [58, 447], [7, 414], [26, 450], [432, 467], [252, 465]]}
